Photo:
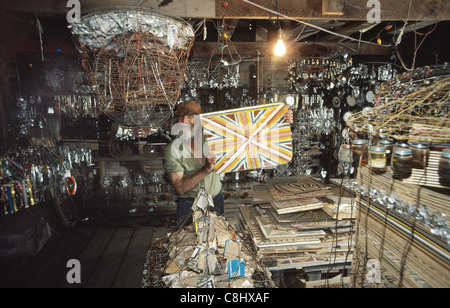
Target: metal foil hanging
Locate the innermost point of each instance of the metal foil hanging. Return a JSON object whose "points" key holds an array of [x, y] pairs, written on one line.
{"points": [[135, 60]]}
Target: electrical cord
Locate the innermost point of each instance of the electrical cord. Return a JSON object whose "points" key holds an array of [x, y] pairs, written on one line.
{"points": [[312, 25]]}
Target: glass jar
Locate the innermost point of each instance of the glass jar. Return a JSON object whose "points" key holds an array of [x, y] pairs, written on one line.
{"points": [[377, 157], [386, 137], [401, 145], [345, 153], [379, 137], [389, 146], [359, 132], [360, 151], [444, 165], [401, 163], [420, 154]]}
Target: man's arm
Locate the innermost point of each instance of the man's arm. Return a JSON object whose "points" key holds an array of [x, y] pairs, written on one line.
{"points": [[183, 183]]}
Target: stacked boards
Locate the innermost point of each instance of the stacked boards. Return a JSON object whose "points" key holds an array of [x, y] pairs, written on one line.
{"points": [[409, 252], [291, 229], [407, 257]]}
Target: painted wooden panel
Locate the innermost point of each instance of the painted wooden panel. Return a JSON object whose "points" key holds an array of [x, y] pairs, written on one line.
{"points": [[248, 138]]}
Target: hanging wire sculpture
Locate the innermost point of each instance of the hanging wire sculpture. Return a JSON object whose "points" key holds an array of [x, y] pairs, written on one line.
{"points": [[135, 60], [414, 107]]}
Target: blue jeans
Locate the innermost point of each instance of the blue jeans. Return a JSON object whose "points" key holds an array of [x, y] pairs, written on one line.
{"points": [[184, 208]]}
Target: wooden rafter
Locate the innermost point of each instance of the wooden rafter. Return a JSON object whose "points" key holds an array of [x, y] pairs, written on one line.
{"points": [[353, 9], [241, 9], [295, 49]]}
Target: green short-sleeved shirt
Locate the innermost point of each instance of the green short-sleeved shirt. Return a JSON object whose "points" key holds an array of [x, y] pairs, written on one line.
{"points": [[179, 158]]}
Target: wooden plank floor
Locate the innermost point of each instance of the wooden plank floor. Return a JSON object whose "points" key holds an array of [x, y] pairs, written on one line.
{"points": [[114, 257], [109, 258]]}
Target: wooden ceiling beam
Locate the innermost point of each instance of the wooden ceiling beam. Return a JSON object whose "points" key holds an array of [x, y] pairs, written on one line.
{"points": [[180, 8], [391, 10], [414, 26], [231, 25], [300, 33], [348, 29], [353, 9], [243, 48], [294, 49]]}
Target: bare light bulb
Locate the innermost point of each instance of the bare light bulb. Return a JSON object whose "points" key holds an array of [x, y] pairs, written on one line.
{"points": [[280, 49]]}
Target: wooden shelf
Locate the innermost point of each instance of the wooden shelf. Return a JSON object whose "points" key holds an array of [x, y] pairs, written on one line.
{"points": [[132, 157]]}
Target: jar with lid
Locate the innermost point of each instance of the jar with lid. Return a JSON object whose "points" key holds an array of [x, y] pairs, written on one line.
{"points": [[360, 151], [420, 154], [389, 146], [359, 132], [377, 157], [385, 137], [345, 153], [401, 145], [401, 163], [444, 165], [377, 138]]}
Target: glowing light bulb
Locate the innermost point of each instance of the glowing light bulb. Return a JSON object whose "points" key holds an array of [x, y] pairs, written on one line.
{"points": [[280, 49]]}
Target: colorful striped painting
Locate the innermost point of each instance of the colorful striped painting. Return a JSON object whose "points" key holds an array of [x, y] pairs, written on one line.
{"points": [[248, 138]]}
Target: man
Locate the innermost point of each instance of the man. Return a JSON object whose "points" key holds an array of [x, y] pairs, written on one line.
{"points": [[189, 164]]}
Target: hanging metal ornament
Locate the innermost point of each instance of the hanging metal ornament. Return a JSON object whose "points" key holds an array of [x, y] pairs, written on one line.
{"points": [[347, 116], [135, 60], [336, 101], [370, 96], [351, 101], [360, 99]]}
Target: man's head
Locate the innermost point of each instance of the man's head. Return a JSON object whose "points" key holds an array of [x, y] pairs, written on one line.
{"points": [[188, 120], [187, 110]]}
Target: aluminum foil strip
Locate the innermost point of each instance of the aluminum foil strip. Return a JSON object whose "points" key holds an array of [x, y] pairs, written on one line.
{"points": [[99, 30]]}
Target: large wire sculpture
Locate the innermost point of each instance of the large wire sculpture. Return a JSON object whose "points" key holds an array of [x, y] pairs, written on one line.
{"points": [[415, 107], [135, 60]]}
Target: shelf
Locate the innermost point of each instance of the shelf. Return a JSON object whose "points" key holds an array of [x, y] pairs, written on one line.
{"points": [[132, 157]]}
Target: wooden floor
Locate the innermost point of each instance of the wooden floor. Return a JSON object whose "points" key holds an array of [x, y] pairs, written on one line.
{"points": [[110, 257], [111, 246]]}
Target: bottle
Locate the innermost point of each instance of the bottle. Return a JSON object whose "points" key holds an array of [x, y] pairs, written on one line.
{"points": [[377, 157], [420, 154], [401, 163], [444, 165]]}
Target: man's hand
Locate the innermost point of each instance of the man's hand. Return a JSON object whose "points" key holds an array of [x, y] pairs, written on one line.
{"points": [[183, 183], [211, 160], [289, 117]]}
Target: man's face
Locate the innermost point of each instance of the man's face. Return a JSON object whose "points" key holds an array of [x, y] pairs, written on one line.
{"points": [[194, 128], [188, 119]]}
